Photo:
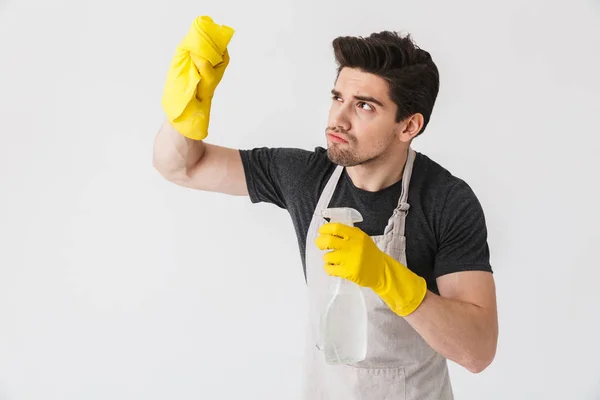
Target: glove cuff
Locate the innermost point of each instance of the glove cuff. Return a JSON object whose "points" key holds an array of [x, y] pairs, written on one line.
{"points": [[403, 290]]}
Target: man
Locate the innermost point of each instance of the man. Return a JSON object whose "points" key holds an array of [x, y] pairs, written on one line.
{"points": [[421, 255]]}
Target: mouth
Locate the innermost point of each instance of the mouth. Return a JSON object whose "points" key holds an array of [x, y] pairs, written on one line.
{"points": [[337, 138]]}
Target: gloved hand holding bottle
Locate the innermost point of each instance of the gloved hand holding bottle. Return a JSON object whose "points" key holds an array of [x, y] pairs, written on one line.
{"points": [[356, 257], [195, 71]]}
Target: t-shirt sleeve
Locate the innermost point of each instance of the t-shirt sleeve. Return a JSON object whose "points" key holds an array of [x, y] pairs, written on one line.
{"points": [[463, 244], [273, 173]]}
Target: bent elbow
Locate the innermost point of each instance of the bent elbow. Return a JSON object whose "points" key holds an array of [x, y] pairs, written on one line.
{"points": [[479, 364], [160, 167], [477, 367], [166, 169]]}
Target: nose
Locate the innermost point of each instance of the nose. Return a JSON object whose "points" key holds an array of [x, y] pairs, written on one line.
{"points": [[338, 118]]}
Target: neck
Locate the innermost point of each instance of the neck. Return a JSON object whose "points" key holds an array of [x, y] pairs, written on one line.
{"points": [[379, 173]]}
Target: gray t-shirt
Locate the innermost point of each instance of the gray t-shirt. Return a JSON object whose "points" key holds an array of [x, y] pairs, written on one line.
{"points": [[445, 226]]}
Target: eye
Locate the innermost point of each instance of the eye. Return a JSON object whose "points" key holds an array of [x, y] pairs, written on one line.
{"points": [[365, 106], [336, 98]]}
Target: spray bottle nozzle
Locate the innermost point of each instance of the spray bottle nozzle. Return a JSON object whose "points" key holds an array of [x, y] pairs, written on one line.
{"points": [[344, 215]]}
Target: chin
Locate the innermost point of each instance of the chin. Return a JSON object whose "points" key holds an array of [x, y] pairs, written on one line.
{"points": [[345, 159]]}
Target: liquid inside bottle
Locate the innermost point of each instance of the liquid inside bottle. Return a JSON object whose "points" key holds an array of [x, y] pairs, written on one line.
{"points": [[344, 325]]}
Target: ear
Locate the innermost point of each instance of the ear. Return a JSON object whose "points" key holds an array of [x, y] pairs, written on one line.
{"points": [[410, 127]]}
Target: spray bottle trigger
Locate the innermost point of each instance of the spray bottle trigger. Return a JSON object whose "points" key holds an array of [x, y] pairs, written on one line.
{"points": [[344, 215]]}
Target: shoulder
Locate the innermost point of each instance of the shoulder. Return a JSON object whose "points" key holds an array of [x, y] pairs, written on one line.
{"points": [[287, 156], [293, 169], [432, 179], [445, 192], [309, 169]]}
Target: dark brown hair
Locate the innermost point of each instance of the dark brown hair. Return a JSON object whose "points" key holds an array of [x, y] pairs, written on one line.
{"points": [[411, 74]]}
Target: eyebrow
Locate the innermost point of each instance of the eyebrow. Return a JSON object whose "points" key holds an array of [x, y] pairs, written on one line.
{"points": [[368, 99]]}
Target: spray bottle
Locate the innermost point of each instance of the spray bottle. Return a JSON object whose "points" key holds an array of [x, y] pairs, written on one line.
{"points": [[343, 327]]}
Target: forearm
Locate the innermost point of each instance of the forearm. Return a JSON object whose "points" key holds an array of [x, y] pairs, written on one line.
{"points": [[462, 332], [175, 154]]}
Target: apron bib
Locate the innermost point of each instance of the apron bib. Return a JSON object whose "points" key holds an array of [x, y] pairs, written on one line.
{"points": [[399, 364]]}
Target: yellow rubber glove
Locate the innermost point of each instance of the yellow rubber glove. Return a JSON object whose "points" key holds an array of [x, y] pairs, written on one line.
{"points": [[356, 257], [196, 69]]}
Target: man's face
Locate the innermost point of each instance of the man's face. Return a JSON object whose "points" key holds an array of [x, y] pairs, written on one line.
{"points": [[362, 120]]}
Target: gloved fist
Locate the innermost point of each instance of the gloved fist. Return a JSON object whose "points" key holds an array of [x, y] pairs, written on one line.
{"points": [[195, 71], [356, 257]]}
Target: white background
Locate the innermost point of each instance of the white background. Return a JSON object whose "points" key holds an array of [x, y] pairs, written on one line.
{"points": [[116, 284]]}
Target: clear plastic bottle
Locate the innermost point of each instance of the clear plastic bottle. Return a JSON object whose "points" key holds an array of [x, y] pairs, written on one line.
{"points": [[343, 326]]}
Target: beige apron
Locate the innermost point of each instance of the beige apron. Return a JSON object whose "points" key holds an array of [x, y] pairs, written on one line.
{"points": [[399, 365]]}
